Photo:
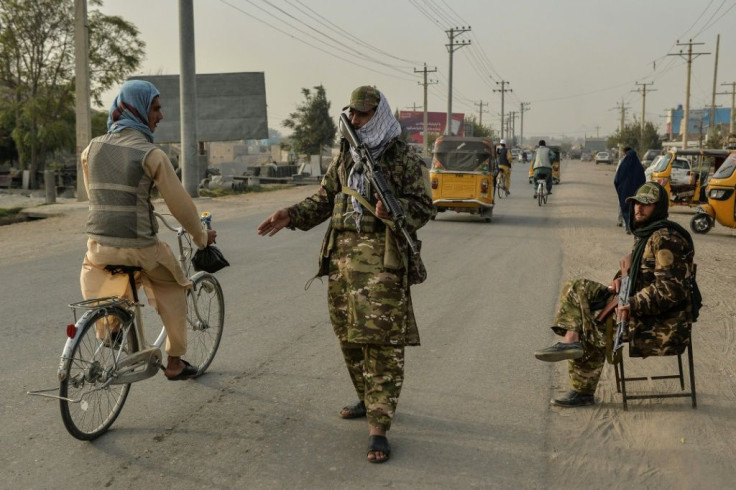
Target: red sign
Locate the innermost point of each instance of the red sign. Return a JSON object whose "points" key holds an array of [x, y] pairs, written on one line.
{"points": [[413, 122]]}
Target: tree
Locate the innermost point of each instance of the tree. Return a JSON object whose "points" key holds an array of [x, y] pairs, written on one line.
{"points": [[631, 136], [37, 71], [480, 131], [312, 125]]}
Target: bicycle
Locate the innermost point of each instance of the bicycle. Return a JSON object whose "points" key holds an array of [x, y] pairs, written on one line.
{"points": [[106, 349], [541, 192], [501, 191]]}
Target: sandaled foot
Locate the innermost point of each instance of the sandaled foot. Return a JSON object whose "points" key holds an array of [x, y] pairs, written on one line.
{"points": [[379, 451], [189, 371], [355, 411]]}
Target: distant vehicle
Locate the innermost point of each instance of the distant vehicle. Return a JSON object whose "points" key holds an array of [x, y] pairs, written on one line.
{"points": [[576, 153], [516, 154], [649, 157], [679, 169], [603, 157], [586, 156]]}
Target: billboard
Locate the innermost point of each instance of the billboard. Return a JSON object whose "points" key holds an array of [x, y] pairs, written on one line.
{"points": [[230, 106], [413, 123]]}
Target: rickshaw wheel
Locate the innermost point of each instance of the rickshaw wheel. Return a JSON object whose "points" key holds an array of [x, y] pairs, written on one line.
{"points": [[701, 223]]}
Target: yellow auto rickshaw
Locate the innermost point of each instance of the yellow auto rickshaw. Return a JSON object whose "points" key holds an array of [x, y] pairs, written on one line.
{"points": [[721, 206], [462, 175], [554, 157], [684, 173]]}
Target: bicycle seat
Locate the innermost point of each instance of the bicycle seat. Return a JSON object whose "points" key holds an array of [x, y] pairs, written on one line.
{"points": [[122, 269]]}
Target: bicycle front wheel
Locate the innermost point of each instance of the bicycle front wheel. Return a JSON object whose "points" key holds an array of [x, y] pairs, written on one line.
{"points": [[205, 319], [89, 402]]}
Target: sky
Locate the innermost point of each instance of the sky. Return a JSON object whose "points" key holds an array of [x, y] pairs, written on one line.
{"points": [[574, 62]]}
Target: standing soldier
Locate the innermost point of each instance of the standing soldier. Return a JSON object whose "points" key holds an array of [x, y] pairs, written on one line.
{"points": [[368, 288]]}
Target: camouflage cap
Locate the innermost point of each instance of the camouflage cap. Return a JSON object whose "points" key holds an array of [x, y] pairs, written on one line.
{"points": [[649, 193], [364, 98]]}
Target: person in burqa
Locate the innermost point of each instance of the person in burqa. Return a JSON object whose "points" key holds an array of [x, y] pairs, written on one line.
{"points": [[368, 294], [659, 312], [629, 177], [120, 170]]}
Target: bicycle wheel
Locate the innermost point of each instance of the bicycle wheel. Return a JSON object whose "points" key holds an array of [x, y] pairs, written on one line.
{"points": [[205, 319], [540, 194], [96, 403], [501, 185]]}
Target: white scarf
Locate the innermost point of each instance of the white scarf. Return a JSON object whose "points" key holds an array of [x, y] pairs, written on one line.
{"points": [[376, 135]]}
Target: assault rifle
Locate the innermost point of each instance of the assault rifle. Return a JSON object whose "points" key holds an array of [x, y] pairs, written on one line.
{"points": [[623, 300], [378, 182]]}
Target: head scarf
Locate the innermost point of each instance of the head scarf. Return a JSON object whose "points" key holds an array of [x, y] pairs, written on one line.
{"points": [[376, 135], [130, 108], [642, 231]]}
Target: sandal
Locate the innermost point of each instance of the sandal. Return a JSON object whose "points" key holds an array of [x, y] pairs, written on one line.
{"points": [[378, 444], [355, 411], [189, 371]]}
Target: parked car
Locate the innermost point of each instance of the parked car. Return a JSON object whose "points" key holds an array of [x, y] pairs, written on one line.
{"points": [[679, 174], [603, 157], [649, 157]]}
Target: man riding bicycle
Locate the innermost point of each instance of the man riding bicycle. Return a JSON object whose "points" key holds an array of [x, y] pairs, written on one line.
{"points": [[120, 170], [503, 155], [543, 166]]}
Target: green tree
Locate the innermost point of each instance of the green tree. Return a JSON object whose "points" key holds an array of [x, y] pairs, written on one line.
{"points": [[312, 126], [479, 130], [37, 71], [632, 136]]}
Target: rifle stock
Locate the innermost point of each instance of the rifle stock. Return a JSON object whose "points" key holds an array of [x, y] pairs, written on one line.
{"points": [[378, 182]]}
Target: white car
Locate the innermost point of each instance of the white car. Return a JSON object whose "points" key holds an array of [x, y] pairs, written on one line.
{"points": [[679, 173]]}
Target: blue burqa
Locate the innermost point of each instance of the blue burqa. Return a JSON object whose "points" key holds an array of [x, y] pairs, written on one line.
{"points": [[629, 177]]}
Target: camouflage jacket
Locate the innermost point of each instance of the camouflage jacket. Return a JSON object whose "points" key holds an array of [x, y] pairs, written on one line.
{"points": [[405, 173], [660, 308]]}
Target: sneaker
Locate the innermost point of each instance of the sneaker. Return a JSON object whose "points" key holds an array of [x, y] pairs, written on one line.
{"points": [[573, 399], [560, 352]]}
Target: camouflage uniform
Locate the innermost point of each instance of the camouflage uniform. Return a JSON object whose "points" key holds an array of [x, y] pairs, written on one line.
{"points": [[369, 300], [660, 309]]}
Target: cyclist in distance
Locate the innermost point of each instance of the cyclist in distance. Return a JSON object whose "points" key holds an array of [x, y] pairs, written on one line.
{"points": [[543, 166], [120, 171], [504, 165]]}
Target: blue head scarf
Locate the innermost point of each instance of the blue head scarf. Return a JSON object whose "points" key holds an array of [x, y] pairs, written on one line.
{"points": [[130, 108]]}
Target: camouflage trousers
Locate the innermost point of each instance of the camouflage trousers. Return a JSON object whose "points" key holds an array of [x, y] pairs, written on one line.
{"points": [[377, 372], [575, 314]]}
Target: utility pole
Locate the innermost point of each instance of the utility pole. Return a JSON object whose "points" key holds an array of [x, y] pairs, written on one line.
{"points": [[524, 107], [622, 108], [512, 126], [451, 49], [414, 107], [81, 89], [712, 120], [732, 93], [188, 99], [480, 112], [643, 92], [503, 90], [424, 84], [690, 54]]}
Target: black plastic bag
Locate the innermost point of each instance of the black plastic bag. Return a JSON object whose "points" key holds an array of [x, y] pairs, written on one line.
{"points": [[209, 259]]}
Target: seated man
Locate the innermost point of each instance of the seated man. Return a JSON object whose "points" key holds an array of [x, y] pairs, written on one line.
{"points": [[659, 312], [543, 166]]}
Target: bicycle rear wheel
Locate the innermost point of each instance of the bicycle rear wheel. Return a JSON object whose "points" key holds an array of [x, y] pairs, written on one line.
{"points": [[540, 194], [86, 380], [501, 185], [205, 320]]}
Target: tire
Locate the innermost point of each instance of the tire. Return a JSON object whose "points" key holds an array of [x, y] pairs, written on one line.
{"points": [[540, 194], [86, 372], [701, 223], [500, 184], [205, 320]]}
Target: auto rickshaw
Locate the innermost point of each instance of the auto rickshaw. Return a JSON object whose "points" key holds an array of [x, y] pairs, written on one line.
{"points": [[554, 157], [684, 173], [462, 175], [721, 206]]}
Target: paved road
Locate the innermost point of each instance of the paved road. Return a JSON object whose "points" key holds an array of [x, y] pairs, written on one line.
{"points": [[474, 412]]}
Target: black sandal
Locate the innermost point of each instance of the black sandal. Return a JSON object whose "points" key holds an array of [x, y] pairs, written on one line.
{"points": [[189, 371], [379, 444], [355, 411]]}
